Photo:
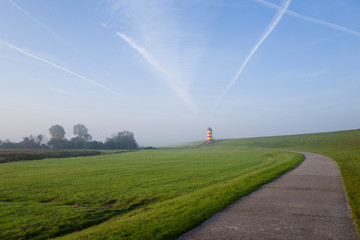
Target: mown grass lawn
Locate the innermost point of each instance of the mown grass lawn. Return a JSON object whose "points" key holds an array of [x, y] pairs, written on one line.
{"points": [[154, 194], [342, 146]]}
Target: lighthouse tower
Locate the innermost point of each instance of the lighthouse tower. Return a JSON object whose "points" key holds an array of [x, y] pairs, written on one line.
{"points": [[209, 134]]}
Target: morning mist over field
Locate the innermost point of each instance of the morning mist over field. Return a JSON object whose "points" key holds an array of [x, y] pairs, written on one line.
{"points": [[167, 70]]}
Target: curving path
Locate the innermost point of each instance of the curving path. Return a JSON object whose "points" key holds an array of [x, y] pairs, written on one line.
{"points": [[307, 203]]}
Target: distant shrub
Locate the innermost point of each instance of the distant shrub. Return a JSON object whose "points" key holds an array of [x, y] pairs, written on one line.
{"points": [[149, 148], [21, 155]]}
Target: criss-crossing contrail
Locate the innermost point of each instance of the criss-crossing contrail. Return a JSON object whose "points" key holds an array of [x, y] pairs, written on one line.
{"points": [[56, 35], [311, 19], [181, 92], [65, 70], [267, 32], [36, 20]]}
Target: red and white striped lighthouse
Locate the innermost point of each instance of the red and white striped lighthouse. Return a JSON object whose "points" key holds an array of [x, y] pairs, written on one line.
{"points": [[209, 134]]}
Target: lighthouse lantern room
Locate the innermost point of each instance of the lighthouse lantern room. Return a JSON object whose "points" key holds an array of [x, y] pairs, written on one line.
{"points": [[209, 134]]}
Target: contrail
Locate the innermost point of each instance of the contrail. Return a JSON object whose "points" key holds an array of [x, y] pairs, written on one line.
{"points": [[311, 19], [47, 6], [65, 70], [144, 53], [36, 20], [181, 92], [267, 32], [55, 35]]}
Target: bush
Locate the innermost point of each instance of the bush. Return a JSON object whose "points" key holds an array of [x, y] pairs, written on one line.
{"points": [[22, 155]]}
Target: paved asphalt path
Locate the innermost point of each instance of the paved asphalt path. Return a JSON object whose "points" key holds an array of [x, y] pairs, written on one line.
{"points": [[307, 203]]}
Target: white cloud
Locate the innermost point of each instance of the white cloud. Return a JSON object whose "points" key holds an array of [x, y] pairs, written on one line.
{"points": [[158, 34], [171, 80], [104, 25]]}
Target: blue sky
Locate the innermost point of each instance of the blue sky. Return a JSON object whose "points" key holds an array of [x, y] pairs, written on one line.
{"points": [[167, 70]]}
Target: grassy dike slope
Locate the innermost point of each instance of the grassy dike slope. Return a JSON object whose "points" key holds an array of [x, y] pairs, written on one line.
{"points": [[155, 194], [202, 182], [342, 146]]}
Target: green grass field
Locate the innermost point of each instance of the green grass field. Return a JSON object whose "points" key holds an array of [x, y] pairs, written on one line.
{"points": [[342, 146], [154, 194]]}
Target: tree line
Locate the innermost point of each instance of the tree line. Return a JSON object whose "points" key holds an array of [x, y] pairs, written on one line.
{"points": [[82, 140]]}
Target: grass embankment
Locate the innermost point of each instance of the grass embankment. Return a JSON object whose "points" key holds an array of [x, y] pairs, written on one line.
{"points": [[342, 146], [155, 194]]}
